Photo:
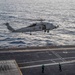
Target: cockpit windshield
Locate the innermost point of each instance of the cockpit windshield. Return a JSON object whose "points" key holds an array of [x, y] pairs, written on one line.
{"points": [[33, 25]]}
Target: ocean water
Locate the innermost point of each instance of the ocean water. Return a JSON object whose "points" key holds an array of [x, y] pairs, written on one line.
{"points": [[19, 12]]}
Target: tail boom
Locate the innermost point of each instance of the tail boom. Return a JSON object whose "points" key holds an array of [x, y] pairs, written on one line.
{"points": [[9, 27]]}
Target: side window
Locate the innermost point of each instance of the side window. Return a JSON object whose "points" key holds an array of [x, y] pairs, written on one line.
{"points": [[43, 27]]}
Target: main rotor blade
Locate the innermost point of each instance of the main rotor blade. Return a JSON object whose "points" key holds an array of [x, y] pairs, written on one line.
{"points": [[33, 19]]}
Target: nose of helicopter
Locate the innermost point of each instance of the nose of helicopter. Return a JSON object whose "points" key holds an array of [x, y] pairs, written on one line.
{"points": [[56, 26]]}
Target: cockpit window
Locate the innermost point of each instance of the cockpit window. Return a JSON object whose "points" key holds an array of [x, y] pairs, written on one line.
{"points": [[32, 25], [43, 27]]}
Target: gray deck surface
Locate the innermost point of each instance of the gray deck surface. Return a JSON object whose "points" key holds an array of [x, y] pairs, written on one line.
{"points": [[31, 62]]}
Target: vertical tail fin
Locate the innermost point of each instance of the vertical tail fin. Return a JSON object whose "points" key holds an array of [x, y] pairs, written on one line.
{"points": [[9, 27]]}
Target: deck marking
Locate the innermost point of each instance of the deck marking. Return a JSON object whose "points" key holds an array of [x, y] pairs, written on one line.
{"points": [[65, 52], [34, 50], [34, 66], [57, 55], [53, 60]]}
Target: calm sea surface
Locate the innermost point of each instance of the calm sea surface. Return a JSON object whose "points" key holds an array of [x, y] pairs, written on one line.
{"points": [[17, 13]]}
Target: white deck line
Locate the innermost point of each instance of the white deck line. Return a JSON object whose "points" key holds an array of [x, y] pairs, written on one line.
{"points": [[53, 60], [34, 50], [34, 66], [57, 55], [37, 61]]}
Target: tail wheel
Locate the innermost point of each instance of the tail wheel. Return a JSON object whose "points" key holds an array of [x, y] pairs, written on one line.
{"points": [[44, 30], [47, 31]]}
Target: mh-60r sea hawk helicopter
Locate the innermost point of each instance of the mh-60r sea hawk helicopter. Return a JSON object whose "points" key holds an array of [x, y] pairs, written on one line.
{"points": [[38, 26]]}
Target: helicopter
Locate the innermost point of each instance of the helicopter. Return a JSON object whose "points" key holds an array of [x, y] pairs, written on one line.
{"points": [[38, 26]]}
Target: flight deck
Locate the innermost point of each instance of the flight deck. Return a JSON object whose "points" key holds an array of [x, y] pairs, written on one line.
{"points": [[30, 61]]}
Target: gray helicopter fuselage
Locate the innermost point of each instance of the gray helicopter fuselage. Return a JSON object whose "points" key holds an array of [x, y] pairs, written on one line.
{"points": [[37, 27], [41, 26]]}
